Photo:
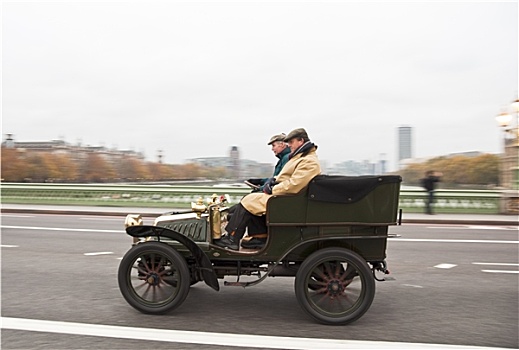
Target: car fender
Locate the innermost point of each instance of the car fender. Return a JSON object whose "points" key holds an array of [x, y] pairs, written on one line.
{"points": [[201, 258]]}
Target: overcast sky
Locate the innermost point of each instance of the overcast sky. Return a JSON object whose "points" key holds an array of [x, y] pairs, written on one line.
{"points": [[195, 78]]}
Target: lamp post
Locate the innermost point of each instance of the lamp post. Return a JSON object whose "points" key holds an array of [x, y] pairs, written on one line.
{"points": [[504, 119], [509, 157], [509, 169]]}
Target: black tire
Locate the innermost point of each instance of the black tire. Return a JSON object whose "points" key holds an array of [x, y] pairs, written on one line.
{"points": [[154, 278], [335, 286]]}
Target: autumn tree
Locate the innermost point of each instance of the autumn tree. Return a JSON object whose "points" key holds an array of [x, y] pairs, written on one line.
{"points": [[67, 167], [214, 173], [158, 171], [96, 169], [11, 165], [40, 167], [457, 170], [191, 171], [485, 169], [133, 169]]}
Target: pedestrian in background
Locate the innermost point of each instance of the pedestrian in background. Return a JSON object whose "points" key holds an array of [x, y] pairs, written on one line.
{"points": [[429, 183]]}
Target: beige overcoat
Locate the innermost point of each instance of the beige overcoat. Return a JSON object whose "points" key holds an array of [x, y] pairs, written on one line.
{"points": [[295, 176]]}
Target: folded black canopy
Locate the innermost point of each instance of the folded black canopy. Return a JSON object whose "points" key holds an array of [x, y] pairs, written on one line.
{"points": [[346, 189]]}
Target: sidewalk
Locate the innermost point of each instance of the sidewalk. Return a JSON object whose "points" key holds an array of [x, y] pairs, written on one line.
{"points": [[462, 219]]}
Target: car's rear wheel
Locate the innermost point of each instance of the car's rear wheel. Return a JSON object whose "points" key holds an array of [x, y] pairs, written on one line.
{"points": [[335, 286], [154, 278]]}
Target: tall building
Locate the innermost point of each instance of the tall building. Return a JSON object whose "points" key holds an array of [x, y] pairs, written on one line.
{"points": [[405, 145], [235, 162]]}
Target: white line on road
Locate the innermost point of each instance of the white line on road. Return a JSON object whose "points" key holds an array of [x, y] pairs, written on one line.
{"points": [[99, 253], [500, 271], [17, 216], [8, 246], [474, 227], [495, 264], [445, 266], [492, 227], [451, 240], [207, 338], [61, 229]]}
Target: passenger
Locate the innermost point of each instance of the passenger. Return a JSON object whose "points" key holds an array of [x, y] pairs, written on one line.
{"points": [[303, 166], [281, 151]]}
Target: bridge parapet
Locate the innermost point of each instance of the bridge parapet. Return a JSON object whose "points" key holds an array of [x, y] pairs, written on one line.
{"points": [[181, 196]]}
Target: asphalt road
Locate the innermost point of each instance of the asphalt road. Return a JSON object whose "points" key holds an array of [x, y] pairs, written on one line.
{"points": [[454, 285]]}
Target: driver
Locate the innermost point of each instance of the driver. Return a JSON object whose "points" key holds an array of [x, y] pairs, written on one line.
{"points": [[303, 166], [281, 151]]}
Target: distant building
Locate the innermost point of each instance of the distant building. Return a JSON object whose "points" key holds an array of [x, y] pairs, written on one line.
{"points": [[77, 151], [469, 154], [405, 143], [239, 169], [235, 162], [381, 167], [353, 168], [212, 162]]}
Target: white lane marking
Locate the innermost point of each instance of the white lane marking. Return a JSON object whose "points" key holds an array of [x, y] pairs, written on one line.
{"points": [[495, 264], [102, 219], [391, 238], [8, 246], [451, 240], [412, 285], [500, 271], [492, 227], [219, 339], [61, 229], [474, 227], [98, 253], [445, 266], [17, 216]]}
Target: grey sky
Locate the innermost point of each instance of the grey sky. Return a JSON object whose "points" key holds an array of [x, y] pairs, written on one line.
{"points": [[195, 78]]}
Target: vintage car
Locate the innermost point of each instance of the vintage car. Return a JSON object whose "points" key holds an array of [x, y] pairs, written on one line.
{"points": [[331, 237]]}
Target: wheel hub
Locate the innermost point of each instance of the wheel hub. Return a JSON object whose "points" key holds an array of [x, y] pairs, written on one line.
{"points": [[153, 279], [335, 287]]}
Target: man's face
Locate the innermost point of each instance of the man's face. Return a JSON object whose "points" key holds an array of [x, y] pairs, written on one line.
{"points": [[295, 144], [278, 147]]}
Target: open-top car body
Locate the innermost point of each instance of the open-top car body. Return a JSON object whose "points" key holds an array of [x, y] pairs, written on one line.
{"points": [[331, 237]]}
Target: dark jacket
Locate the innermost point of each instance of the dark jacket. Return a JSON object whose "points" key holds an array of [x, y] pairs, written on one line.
{"points": [[283, 159], [429, 182]]}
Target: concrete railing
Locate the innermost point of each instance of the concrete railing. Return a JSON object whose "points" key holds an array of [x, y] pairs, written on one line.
{"points": [[159, 196], [178, 196], [453, 201]]}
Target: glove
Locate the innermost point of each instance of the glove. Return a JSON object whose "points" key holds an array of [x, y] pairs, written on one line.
{"points": [[267, 188], [257, 182]]}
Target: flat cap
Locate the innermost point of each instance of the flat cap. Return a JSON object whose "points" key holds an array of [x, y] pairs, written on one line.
{"points": [[300, 132], [279, 137]]}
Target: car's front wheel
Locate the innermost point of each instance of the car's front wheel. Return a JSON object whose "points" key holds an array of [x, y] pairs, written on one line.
{"points": [[154, 278], [335, 286]]}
